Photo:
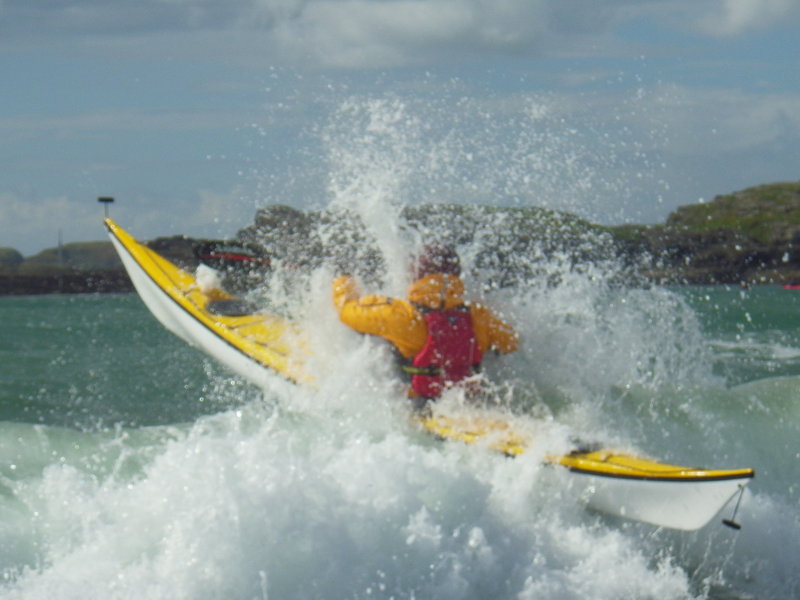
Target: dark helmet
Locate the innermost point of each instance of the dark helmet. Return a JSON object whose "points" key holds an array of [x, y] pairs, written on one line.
{"points": [[436, 258]]}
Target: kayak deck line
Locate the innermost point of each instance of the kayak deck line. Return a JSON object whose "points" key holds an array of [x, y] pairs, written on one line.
{"points": [[606, 463]]}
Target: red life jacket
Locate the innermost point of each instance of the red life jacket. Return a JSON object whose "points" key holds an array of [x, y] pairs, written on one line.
{"points": [[450, 353]]}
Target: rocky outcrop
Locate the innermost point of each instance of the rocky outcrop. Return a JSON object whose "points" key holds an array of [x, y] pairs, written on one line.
{"points": [[509, 243], [748, 237], [751, 236]]}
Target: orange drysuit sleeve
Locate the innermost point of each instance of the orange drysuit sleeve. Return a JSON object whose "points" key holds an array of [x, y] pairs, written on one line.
{"points": [[394, 320]]}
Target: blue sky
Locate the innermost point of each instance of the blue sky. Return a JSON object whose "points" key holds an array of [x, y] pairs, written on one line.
{"points": [[193, 113]]}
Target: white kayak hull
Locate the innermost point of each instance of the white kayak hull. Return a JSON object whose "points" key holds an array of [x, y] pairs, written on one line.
{"points": [[686, 505]]}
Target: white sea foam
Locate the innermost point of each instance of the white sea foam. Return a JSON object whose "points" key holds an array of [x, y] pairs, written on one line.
{"points": [[248, 504], [331, 492]]}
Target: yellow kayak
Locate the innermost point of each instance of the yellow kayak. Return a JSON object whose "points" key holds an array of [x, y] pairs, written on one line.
{"points": [[258, 346]]}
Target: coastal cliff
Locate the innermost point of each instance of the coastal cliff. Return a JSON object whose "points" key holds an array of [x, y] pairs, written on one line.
{"points": [[747, 237], [751, 236]]}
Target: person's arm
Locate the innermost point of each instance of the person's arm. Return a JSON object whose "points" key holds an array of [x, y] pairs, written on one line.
{"points": [[389, 318], [344, 289], [367, 314], [492, 332]]}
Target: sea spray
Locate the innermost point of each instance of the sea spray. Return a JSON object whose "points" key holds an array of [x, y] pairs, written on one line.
{"points": [[600, 339], [309, 508], [330, 491]]}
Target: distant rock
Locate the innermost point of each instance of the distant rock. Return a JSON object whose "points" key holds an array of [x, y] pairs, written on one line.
{"points": [[82, 256], [768, 214], [10, 258], [748, 237], [64, 282], [81, 267]]}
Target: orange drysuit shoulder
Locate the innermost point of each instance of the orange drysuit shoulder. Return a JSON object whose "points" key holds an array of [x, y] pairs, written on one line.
{"points": [[491, 332]]}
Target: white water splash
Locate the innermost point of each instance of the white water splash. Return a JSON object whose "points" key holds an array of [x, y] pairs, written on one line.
{"points": [[332, 493]]}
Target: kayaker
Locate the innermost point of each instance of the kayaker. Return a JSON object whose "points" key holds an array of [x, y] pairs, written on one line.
{"points": [[441, 337]]}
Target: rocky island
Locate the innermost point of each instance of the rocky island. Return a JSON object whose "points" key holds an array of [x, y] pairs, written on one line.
{"points": [[747, 237]]}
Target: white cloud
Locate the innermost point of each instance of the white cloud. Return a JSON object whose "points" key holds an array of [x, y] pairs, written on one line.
{"points": [[373, 33], [219, 214], [711, 121], [365, 33], [732, 17], [358, 33], [59, 126], [29, 224]]}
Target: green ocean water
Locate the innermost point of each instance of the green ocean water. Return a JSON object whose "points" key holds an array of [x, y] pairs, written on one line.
{"points": [[133, 466], [93, 362]]}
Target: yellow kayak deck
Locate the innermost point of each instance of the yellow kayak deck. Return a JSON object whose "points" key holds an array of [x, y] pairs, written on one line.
{"points": [[497, 434], [268, 339]]}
